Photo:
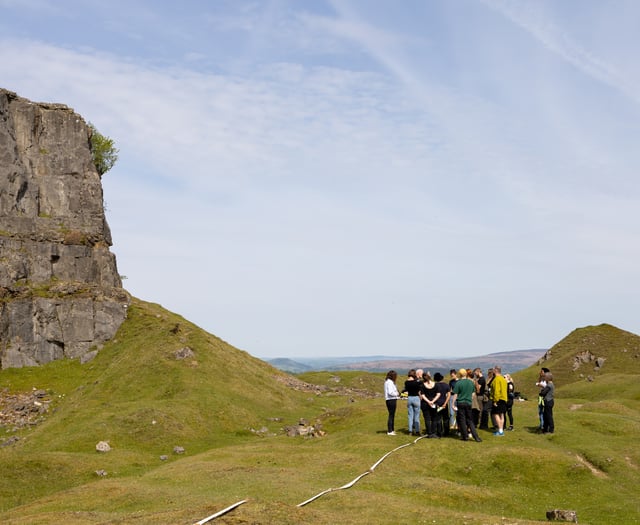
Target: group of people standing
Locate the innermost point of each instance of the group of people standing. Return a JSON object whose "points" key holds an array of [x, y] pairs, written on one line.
{"points": [[427, 396], [462, 404]]}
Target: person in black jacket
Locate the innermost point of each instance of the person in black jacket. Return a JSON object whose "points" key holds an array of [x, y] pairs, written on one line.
{"points": [[430, 395], [511, 396], [442, 404], [547, 394]]}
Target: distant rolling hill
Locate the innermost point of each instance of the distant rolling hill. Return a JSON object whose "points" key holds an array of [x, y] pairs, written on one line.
{"points": [[289, 365], [511, 361]]}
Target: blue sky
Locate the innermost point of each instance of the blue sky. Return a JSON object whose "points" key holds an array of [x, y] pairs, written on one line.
{"points": [[359, 177]]}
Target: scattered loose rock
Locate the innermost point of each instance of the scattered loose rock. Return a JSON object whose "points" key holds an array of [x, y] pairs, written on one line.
{"points": [[562, 515], [10, 441], [184, 353], [302, 386], [263, 431], [103, 446], [305, 429], [19, 410]]}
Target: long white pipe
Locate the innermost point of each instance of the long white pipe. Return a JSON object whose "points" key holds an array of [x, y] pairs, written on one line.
{"points": [[352, 483], [220, 513], [346, 486]]}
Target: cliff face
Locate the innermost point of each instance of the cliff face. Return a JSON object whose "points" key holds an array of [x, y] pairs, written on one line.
{"points": [[60, 292]]}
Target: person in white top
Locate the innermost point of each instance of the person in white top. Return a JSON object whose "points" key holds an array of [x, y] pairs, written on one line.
{"points": [[391, 396]]}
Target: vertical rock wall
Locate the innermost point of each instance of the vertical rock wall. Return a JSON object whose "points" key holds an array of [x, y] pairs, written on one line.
{"points": [[60, 292]]}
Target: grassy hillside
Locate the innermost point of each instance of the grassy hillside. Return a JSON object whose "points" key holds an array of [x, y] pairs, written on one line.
{"points": [[573, 359], [142, 399]]}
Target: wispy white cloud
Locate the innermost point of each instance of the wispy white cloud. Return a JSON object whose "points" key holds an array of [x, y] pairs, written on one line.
{"points": [[531, 18], [342, 180]]}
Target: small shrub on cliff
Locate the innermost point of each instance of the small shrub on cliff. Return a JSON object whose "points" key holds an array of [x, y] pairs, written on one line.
{"points": [[103, 149]]}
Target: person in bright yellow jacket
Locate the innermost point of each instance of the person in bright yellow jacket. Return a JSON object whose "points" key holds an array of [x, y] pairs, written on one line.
{"points": [[498, 400]]}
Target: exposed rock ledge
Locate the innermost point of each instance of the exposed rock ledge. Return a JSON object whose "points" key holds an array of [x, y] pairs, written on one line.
{"points": [[60, 292]]}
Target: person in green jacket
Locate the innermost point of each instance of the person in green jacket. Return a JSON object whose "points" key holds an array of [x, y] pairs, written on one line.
{"points": [[498, 400], [462, 392]]}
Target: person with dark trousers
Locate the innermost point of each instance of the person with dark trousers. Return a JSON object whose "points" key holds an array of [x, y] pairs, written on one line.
{"points": [[442, 405], [424, 406], [486, 407], [481, 386], [548, 393], [511, 396], [462, 392], [541, 383], [430, 395], [391, 396]]}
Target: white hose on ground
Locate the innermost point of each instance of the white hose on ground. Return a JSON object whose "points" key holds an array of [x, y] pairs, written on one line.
{"points": [[352, 483], [346, 486], [220, 513], [388, 454]]}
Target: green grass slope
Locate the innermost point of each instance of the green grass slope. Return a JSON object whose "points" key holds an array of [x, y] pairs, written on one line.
{"points": [[573, 360], [208, 404], [144, 400]]}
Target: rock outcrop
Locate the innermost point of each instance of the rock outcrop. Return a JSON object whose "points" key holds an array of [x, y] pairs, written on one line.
{"points": [[60, 292]]}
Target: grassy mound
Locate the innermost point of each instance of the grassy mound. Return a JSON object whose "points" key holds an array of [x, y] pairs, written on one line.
{"points": [[163, 382]]}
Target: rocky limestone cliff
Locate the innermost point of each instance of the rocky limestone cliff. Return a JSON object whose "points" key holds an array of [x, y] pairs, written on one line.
{"points": [[60, 292]]}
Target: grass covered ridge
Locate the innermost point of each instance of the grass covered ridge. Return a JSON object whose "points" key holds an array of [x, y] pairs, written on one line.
{"points": [[138, 395]]}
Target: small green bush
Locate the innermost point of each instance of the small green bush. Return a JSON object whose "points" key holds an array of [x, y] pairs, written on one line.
{"points": [[103, 150]]}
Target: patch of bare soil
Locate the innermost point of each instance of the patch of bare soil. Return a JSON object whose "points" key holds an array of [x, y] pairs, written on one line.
{"points": [[594, 470]]}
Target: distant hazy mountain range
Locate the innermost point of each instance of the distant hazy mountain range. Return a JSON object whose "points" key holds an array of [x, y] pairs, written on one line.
{"points": [[511, 361]]}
